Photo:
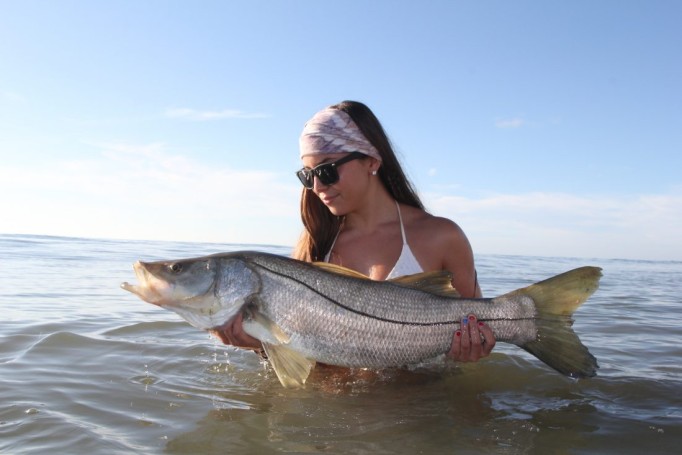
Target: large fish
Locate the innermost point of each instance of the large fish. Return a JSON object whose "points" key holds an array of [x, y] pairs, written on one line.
{"points": [[305, 313]]}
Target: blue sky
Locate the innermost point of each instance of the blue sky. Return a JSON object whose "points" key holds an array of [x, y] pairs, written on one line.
{"points": [[542, 128]]}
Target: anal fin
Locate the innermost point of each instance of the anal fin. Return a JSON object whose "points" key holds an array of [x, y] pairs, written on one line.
{"points": [[291, 367]]}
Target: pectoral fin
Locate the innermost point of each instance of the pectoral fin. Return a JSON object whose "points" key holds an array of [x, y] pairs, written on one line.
{"points": [[261, 327], [291, 367]]}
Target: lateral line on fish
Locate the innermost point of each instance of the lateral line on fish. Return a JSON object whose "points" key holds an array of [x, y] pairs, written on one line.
{"points": [[379, 318]]}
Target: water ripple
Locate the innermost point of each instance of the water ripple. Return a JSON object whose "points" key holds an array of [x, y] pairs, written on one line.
{"points": [[86, 367]]}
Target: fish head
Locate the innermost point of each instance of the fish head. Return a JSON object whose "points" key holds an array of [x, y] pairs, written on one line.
{"points": [[164, 283], [207, 292]]}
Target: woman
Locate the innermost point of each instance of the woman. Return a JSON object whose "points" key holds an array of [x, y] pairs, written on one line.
{"points": [[360, 211]]}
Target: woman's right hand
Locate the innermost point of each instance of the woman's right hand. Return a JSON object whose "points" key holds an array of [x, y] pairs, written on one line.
{"points": [[472, 342], [233, 334]]}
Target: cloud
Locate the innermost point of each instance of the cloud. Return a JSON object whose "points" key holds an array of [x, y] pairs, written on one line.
{"points": [[516, 122], [202, 116], [146, 192], [558, 224]]}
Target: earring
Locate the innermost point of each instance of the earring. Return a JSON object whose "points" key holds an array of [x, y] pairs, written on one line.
{"points": [[374, 172]]}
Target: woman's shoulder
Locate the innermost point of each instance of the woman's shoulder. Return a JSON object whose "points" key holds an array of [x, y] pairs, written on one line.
{"points": [[436, 241], [428, 226]]}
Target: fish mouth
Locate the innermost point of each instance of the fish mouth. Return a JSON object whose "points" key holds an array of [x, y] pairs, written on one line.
{"points": [[135, 289], [144, 290]]}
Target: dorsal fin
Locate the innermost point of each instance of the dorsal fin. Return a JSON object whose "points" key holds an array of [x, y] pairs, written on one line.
{"points": [[438, 283], [339, 270]]}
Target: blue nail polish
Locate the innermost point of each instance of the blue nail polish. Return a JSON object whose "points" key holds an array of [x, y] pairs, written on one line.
{"points": [[465, 321]]}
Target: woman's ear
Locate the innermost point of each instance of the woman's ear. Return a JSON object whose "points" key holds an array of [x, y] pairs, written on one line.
{"points": [[374, 166]]}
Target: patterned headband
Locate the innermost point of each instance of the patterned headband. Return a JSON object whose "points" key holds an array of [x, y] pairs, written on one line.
{"points": [[333, 131]]}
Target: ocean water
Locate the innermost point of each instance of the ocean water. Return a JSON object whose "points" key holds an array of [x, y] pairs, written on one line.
{"points": [[86, 367]]}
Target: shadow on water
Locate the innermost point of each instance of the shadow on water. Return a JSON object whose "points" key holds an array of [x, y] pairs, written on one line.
{"points": [[160, 386], [338, 411], [505, 405]]}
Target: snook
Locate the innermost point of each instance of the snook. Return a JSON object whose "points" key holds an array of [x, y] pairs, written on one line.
{"points": [[305, 313]]}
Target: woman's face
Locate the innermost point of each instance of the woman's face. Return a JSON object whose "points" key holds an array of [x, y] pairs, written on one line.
{"points": [[348, 193]]}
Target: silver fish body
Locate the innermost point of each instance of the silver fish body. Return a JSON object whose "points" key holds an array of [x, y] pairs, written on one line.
{"points": [[346, 321], [305, 313]]}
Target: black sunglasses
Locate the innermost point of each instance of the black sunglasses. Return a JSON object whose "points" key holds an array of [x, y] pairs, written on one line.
{"points": [[326, 172]]}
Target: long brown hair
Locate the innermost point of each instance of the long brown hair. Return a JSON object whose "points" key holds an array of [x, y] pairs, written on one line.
{"points": [[320, 225]]}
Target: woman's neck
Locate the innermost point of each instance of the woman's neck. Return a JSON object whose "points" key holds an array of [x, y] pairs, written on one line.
{"points": [[379, 209]]}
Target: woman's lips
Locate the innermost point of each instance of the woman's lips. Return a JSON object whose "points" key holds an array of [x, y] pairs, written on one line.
{"points": [[326, 200]]}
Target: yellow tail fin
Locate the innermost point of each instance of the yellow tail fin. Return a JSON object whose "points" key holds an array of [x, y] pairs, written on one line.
{"points": [[556, 299]]}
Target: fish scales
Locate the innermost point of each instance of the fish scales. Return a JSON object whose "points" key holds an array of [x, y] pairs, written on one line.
{"points": [[339, 322]]}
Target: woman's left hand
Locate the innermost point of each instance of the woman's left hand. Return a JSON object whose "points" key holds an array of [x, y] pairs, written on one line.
{"points": [[472, 342], [233, 334]]}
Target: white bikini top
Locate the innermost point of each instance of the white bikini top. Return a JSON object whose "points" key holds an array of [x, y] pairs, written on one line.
{"points": [[407, 264]]}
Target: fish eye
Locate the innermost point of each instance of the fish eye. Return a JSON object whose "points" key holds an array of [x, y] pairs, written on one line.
{"points": [[175, 267]]}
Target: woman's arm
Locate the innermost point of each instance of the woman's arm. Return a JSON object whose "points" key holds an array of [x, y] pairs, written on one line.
{"points": [[475, 339]]}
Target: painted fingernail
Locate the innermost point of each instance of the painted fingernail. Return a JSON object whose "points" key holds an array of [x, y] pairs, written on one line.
{"points": [[458, 333], [480, 324], [465, 321], [472, 317]]}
